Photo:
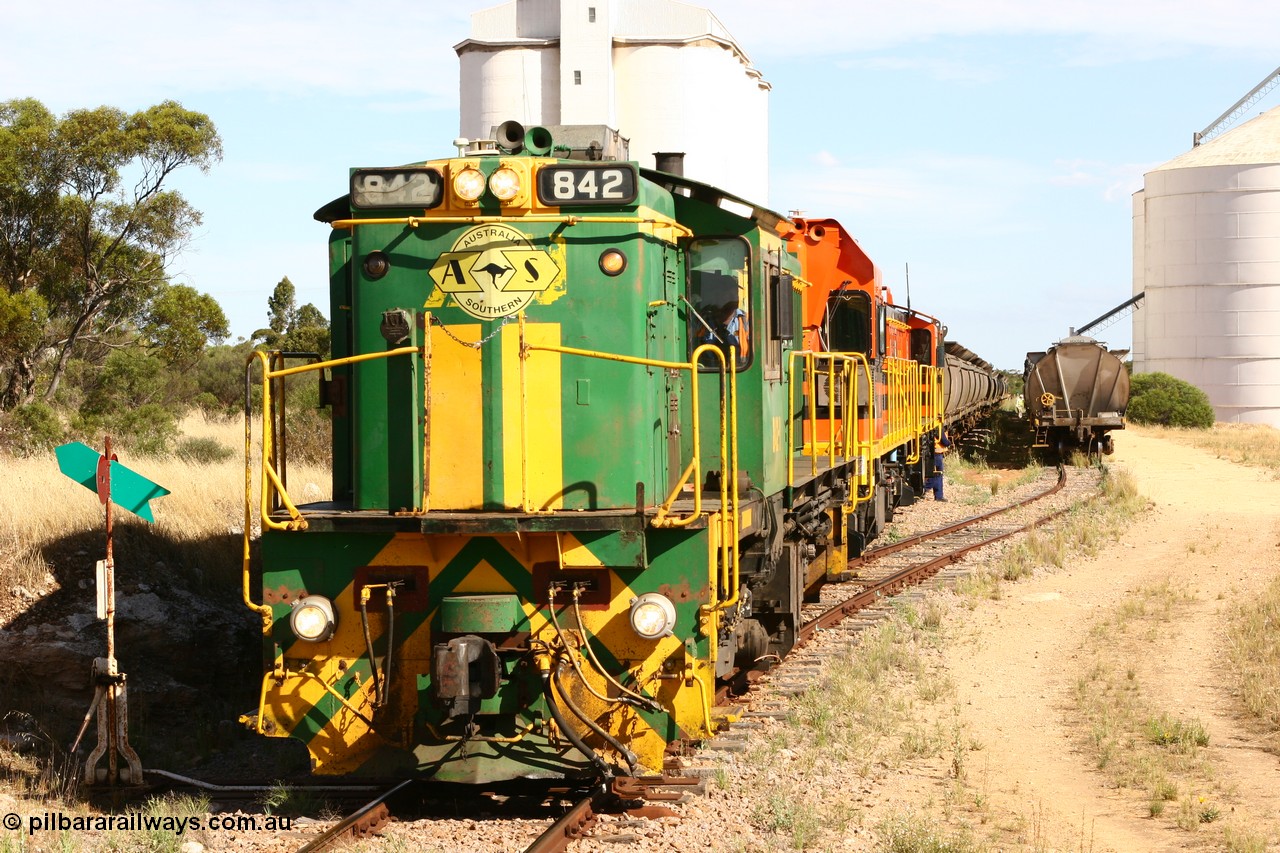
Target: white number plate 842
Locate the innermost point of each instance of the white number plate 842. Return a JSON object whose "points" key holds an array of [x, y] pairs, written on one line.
{"points": [[614, 184]]}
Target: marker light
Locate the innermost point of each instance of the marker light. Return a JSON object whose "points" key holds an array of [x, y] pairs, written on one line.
{"points": [[504, 183], [312, 618], [376, 265], [652, 615], [468, 184], [612, 262]]}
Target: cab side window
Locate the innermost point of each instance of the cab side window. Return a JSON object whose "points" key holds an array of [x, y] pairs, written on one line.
{"points": [[719, 298], [849, 323], [922, 346]]}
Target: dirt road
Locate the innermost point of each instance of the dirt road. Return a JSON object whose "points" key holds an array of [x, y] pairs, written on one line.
{"points": [[1212, 534]]}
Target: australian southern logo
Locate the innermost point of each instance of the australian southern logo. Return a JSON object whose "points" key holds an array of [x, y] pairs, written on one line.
{"points": [[493, 271]]}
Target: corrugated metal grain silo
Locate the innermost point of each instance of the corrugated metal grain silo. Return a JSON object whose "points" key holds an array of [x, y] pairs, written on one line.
{"points": [[1207, 253]]}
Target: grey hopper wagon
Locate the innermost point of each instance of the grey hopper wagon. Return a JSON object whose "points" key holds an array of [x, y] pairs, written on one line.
{"points": [[1076, 394]]}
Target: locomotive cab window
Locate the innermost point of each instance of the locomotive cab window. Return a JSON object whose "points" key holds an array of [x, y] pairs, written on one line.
{"points": [[922, 346], [719, 298], [849, 322], [777, 316]]}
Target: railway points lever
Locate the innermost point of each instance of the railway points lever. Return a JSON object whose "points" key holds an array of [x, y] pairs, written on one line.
{"points": [[133, 492]]}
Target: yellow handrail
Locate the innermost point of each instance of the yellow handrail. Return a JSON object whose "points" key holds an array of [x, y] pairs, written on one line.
{"points": [[904, 416], [844, 440], [729, 502], [415, 221], [694, 468], [737, 515], [269, 476]]}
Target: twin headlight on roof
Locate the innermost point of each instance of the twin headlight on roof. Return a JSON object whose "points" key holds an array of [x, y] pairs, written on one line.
{"points": [[423, 187], [469, 184]]}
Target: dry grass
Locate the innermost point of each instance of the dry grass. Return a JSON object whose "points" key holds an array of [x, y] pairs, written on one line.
{"points": [[1247, 444], [887, 703], [1082, 532], [975, 483], [1253, 644], [56, 533], [1137, 744], [56, 523]]}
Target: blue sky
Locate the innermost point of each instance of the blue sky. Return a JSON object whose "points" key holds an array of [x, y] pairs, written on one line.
{"points": [[992, 145]]}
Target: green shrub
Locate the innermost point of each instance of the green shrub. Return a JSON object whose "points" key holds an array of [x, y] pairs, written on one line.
{"points": [[1158, 398], [148, 430], [209, 404], [220, 375], [128, 378], [31, 429], [310, 426], [203, 451]]}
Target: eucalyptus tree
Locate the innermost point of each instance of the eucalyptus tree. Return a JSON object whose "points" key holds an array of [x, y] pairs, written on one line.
{"points": [[88, 228]]}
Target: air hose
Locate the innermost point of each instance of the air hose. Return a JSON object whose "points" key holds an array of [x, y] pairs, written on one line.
{"points": [[591, 724], [605, 769]]}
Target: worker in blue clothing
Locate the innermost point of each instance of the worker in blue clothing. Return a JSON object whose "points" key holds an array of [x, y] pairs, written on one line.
{"points": [[731, 331], [940, 448], [735, 324]]}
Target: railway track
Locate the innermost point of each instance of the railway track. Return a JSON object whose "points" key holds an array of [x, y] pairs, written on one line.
{"points": [[887, 570], [892, 571], [550, 814], [842, 612]]}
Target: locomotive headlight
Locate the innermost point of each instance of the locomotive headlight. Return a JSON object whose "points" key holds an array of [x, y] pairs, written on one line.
{"points": [[312, 618], [612, 262], [468, 184], [652, 615], [504, 184]]}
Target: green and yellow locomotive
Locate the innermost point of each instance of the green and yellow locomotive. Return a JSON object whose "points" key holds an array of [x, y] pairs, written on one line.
{"points": [[585, 466]]}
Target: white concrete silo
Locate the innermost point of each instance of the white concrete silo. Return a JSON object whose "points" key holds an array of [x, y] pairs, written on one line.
{"points": [[667, 75], [1207, 253]]}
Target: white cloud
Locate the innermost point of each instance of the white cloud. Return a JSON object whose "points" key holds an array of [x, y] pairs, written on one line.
{"points": [[932, 191], [1074, 179], [1110, 28], [1075, 173], [947, 70], [148, 49], [1118, 180], [825, 159], [139, 50], [1126, 179]]}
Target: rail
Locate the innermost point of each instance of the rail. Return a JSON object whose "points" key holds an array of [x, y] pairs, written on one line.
{"points": [[877, 591], [367, 818], [570, 826]]}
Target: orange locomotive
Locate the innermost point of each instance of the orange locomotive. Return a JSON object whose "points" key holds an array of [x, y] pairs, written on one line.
{"points": [[859, 343]]}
